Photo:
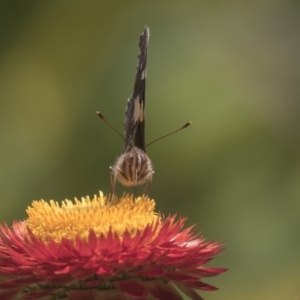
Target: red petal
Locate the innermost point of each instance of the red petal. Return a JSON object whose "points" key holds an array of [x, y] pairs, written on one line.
{"points": [[12, 294], [200, 285], [179, 276], [151, 272], [132, 287], [162, 291], [82, 295], [204, 271], [189, 292]]}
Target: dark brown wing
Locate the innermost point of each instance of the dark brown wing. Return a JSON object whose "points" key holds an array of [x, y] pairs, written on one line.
{"points": [[134, 116]]}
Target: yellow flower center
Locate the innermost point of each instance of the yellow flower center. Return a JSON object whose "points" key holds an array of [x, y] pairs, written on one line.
{"points": [[52, 221]]}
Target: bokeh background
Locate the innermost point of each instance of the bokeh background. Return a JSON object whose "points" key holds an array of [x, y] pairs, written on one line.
{"points": [[230, 67]]}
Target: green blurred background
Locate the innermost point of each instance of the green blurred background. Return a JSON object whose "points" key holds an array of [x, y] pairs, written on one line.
{"points": [[230, 67]]}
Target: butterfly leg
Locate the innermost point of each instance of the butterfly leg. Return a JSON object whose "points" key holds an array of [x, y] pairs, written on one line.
{"points": [[147, 187], [135, 184], [113, 180]]}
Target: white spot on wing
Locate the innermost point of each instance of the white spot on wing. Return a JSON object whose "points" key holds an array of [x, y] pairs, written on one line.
{"points": [[144, 74], [137, 109], [142, 112]]}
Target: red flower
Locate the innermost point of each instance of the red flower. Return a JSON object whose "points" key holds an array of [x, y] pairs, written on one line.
{"points": [[90, 250]]}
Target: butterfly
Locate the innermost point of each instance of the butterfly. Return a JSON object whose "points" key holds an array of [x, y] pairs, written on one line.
{"points": [[134, 167]]}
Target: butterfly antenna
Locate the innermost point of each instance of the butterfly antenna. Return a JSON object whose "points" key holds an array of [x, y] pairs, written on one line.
{"points": [[162, 137], [115, 130]]}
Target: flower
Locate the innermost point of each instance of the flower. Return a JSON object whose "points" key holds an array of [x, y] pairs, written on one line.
{"points": [[90, 249]]}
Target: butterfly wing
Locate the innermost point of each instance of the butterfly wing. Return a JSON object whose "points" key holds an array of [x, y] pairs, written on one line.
{"points": [[134, 116]]}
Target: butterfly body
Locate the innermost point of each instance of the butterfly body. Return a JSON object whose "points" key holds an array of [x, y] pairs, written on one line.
{"points": [[134, 167]]}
